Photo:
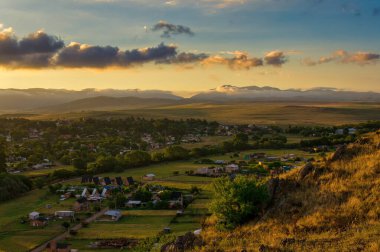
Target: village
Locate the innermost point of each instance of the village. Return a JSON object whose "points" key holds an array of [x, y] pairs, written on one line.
{"points": [[95, 204]]}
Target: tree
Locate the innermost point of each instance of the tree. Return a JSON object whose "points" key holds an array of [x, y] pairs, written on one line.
{"points": [[176, 153], [80, 164], [236, 200], [3, 164], [137, 158], [65, 225], [240, 141]]}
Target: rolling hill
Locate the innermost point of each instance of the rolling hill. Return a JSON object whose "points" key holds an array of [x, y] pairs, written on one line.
{"points": [[330, 205]]}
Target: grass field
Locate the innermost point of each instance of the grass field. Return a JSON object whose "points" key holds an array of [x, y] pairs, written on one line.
{"points": [[280, 113]]}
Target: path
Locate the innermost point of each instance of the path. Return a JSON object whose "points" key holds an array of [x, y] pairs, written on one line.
{"points": [[66, 234]]}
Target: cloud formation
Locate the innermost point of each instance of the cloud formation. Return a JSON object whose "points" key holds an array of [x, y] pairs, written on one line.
{"points": [[168, 30], [342, 56], [275, 58], [34, 50], [41, 50], [240, 60]]}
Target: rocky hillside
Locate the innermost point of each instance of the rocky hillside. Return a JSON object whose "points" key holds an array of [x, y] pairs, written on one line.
{"points": [[330, 205]]}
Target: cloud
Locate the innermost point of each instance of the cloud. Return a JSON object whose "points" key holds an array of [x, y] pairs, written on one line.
{"points": [[169, 30], [32, 51], [275, 58], [239, 61], [342, 56], [77, 55], [41, 50]]}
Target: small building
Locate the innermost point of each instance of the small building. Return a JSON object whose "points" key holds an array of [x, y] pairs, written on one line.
{"points": [[133, 203], [96, 180], [85, 193], [39, 222], [34, 215], [351, 131], [129, 181], [64, 214], [81, 204], [55, 246], [220, 162], [176, 200], [119, 181], [86, 179], [105, 193], [107, 181], [149, 176], [113, 215], [339, 132], [232, 168]]}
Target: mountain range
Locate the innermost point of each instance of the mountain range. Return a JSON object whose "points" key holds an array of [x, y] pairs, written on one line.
{"points": [[62, 100]]}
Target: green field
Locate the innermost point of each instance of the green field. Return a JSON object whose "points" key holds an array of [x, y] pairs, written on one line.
{"points": [[136, 224]]}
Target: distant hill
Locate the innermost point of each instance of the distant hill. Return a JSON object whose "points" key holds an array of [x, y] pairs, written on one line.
{"points": [[38, 100], [330, 205], [24, 100], [104, 103], [255, 93]]}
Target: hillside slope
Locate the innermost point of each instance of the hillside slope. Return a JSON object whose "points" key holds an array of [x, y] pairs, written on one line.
{"points": [[331, 205]]}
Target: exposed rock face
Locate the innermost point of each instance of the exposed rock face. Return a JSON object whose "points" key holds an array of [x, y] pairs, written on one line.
{"points": [[308, 168], [186, 242]]}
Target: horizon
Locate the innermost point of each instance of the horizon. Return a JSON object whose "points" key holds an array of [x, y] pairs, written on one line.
{"points": [[170, 45]]}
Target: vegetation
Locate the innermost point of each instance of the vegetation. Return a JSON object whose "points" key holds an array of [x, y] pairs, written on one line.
{"points": [[332, 205], [237, 200], [12, 186]]}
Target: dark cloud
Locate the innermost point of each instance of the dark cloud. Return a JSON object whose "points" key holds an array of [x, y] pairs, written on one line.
{"points": [[275, 58], [169, 30], [40, 50], [40, 42], [138, 56], [33, 51], [186, 58], [78, 55]]}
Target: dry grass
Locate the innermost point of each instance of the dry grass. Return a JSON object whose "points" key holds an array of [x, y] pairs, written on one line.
{"points": [[334, 208]]}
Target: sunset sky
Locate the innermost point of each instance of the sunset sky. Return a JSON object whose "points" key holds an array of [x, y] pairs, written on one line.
{"points": [[190, 45]]}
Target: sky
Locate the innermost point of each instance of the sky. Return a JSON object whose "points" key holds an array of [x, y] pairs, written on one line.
{"points": [[187, 46]]}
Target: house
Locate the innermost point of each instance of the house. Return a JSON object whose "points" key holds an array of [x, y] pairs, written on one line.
{"points": [[176, 200], [119, 181], [133, 203], [149, 176], [34, 215], [55, 246], [39, 222], [85, 193], [86, 179], [64, 214], [107, 181], [232, 168], [339, 132], [94, 195], [129, 181], [113, 215], [220, 162], [202, 171], [96, 180], [351, 131], [105, 193], [81, 204]]}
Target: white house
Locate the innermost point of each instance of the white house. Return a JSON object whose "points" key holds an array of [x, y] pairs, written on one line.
{"points": [[231, 168], [34, 215]]}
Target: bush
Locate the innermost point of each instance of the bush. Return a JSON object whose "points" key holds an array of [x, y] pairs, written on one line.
{"points": [[235, 201]]}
